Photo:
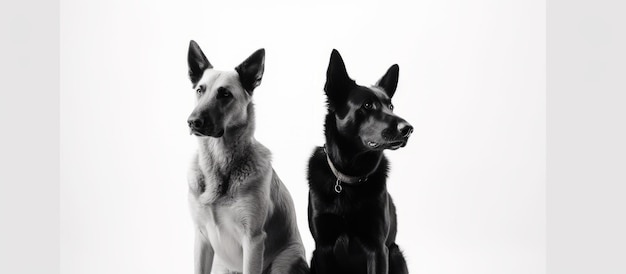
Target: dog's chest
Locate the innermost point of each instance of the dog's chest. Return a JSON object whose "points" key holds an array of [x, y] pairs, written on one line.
{"points": [[352, 213], [218, 184], [222, 225]]}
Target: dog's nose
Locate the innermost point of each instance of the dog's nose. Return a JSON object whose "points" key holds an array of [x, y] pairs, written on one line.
{"points": [[405, 129], [194, 123]]}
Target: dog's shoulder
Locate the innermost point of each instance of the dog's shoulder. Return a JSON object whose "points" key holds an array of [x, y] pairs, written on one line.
{"points": [[317, 159], [260, 157], [318, 171], [262, 153]]}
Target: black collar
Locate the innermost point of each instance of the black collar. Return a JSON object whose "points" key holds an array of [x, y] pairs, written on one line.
{"points": [[352, 180]]}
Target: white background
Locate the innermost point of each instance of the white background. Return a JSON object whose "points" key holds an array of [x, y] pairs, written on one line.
{"points": [[469, 187]]}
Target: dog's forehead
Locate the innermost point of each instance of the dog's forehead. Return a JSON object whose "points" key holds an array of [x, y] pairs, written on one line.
{"points": [[213, 79], [380, 93], [362, 93]]}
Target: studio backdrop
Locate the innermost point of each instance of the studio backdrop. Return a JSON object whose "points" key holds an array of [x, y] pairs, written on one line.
{"points": [[469, 187]]}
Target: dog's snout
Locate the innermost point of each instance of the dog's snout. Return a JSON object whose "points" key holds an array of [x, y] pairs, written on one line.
{"points": [[195, 122], [405, 129]]}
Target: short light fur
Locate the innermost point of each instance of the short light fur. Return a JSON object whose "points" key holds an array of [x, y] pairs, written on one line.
{"points": [[244, 216]]}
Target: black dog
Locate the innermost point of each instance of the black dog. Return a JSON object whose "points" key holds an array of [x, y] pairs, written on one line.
{"points": [[351, 215]]}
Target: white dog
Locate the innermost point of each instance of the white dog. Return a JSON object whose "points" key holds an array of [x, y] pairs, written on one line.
{"points": [[244, 216]]}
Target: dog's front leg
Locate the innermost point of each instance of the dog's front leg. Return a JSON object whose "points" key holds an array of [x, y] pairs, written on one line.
{"points": [[203, 254], [253, 250], [378, 261]]}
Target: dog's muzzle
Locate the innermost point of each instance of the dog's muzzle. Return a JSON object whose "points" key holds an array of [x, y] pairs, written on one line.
{"points": [[198, 127]]}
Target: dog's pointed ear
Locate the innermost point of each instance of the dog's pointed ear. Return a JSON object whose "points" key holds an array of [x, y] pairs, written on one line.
{"points": [[389, 81], [338, 82], [251, 70], [197, 62]]}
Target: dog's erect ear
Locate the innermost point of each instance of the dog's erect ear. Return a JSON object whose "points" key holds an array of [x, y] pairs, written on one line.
{"points": [[389, 82], [338, 82], [197, 62], [251, 70]]}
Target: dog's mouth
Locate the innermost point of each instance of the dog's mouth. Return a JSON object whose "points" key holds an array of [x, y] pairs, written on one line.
{"points": [[372, 144], [393, 145], [200, 133], [396, 144]]}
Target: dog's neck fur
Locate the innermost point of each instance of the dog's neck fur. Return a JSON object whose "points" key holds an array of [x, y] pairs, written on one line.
{"points": [[348, 156], [224, 155]]}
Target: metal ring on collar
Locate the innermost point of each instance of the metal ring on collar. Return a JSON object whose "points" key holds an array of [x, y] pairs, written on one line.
{"points": [[338, 187]]}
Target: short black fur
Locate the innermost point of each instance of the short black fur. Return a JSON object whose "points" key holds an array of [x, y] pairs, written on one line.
{"points": [[354, 230]]}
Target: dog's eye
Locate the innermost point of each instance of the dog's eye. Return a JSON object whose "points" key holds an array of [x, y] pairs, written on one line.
{"points": [[391, 106], [199, 90], [223, 93], [368, 105]]}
